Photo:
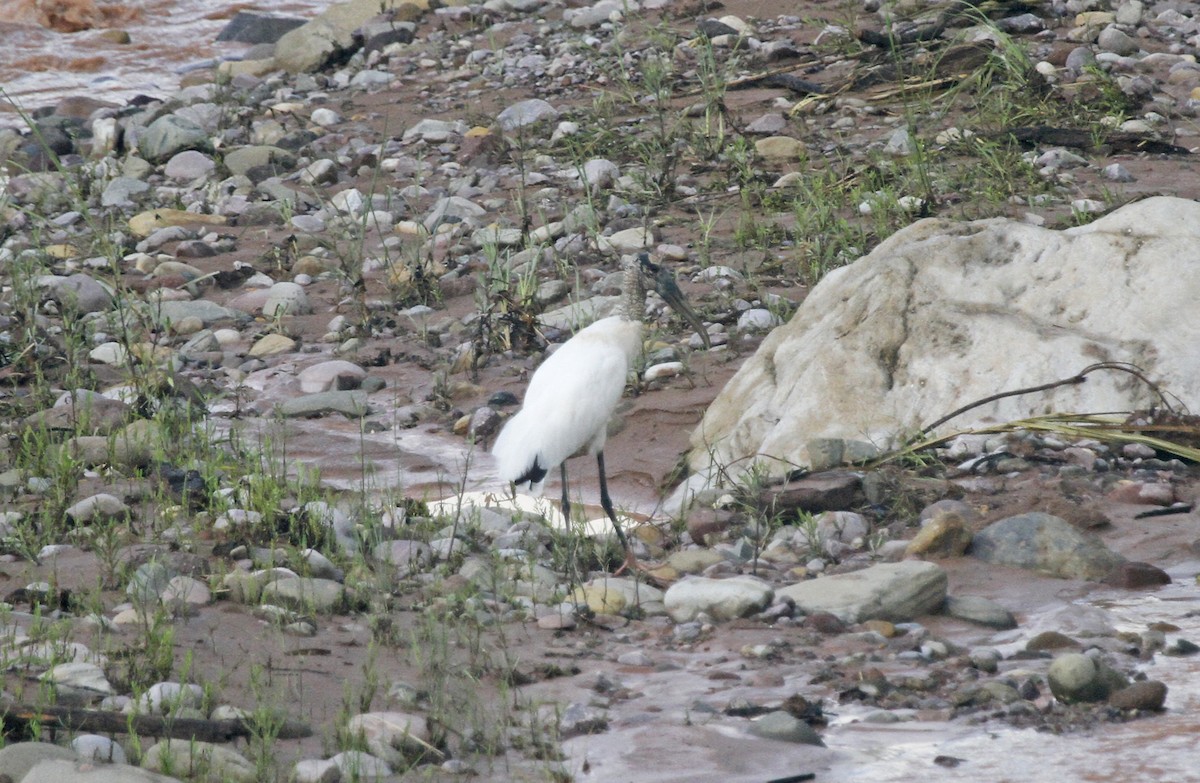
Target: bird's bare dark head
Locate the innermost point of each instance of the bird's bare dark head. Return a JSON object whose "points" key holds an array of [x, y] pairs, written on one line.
{"points": [[664, 283]]}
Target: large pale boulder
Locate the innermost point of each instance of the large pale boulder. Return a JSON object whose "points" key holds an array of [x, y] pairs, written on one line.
{"points": [[306, 48], [945, 313]]}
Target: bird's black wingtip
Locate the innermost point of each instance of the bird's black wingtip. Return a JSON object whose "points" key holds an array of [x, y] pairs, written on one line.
{"points": [[534, 474]]}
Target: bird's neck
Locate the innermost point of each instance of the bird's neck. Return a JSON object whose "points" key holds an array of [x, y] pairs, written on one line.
{"points": [[633, 295]]}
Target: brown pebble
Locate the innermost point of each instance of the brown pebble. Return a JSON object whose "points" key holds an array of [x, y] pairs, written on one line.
{"points": [[1133, 575], [824, 622], [882, 627], [1147, 695], [703, 523], [945, 535], [1051, 640], [1142, 493]]}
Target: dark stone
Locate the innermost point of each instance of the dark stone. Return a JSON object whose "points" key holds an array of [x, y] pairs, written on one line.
{"points": [[833, 490], [379, 41], [1148, 695], [713, 28], [502, 398], [1133, 575], [253, 28], [194, 248]]}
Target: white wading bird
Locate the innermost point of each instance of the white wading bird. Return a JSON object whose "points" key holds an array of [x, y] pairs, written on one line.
{"points": [[574, 392]]}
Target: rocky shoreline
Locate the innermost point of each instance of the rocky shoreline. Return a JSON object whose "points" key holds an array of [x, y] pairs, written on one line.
{"points": [[251, 334]]}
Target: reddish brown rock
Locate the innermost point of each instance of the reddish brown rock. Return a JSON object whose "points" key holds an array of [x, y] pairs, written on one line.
{"points": [[824, 622], [1147, 695], [705, 522], [1051, 640], [833, 490], [1132, 575], [1143, 493]]}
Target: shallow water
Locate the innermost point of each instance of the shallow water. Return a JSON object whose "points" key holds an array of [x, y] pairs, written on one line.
{"points": [[57, 48]]}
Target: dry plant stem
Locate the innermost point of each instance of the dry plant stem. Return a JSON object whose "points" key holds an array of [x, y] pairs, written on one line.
{"points": [[1073, 380]]}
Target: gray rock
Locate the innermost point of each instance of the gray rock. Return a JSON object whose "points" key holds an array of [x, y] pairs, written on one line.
{"points": [[1079, 58], [758, 319], [435, 131], [1074, 677], [841, 526], [982, 611], [249, 27], [900, 144], [1044, 543], [580, 719], [223, 763], [316, 771], [189, 165], [1115, 172], [897, 592], [121, 192], [1113, 39], [306, 594], [148, 582], [348, 403], [767, 124], [94, 747], [405, 555], [1021, 24], [361, 766], [168, 135], [452, 209], [780, 725], [307, 47], [98, 507], [286, 299], [594, 15], [721, 599], [63, 771], [525, 113], [166, 698], [17, 759], [79, 682], [335, 374], [599, 173], [1130, 12], [395, 737], [207, 311], [243, 160], [81, 293]]}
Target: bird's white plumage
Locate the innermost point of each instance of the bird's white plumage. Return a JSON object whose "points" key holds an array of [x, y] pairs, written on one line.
{"points": [[570, 399]]}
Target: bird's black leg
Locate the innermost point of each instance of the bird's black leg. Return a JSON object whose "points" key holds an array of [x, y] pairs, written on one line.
{"points": [[566, 502], [607, 504]]}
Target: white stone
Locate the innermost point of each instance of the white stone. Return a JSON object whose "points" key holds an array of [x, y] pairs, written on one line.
{"points": [[721, 599], [392, 736], [944, 312], [663, 370], [161, 698], [332, 374], [97, 507], [94, 747]]}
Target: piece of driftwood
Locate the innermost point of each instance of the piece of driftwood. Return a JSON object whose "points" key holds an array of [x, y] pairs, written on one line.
{"points": [[1087, 140], [22, 719]]}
